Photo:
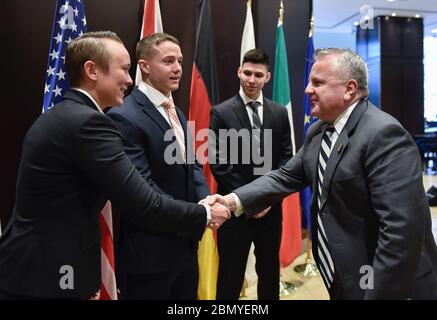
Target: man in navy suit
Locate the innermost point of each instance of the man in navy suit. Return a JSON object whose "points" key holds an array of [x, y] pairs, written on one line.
{"points": [[72, 162], [159, 265]]}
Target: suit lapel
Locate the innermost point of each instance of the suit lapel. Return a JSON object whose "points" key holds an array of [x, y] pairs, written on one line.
{"points": [[340, 148], [149, 109], [267, 115], [240, 109], [314, 149]]}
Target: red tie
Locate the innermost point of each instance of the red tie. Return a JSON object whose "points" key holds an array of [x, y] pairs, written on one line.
{"points": [[175, 124]]}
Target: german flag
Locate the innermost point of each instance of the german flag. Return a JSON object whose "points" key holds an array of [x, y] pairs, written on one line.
{"points": [[204, 94]]}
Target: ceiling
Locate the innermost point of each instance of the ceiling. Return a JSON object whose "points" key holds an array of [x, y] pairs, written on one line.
{"points": [[338, 16]]}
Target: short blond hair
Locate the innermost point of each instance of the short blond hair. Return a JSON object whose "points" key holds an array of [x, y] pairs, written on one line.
{"points": [[89, 46], [146, 45]]}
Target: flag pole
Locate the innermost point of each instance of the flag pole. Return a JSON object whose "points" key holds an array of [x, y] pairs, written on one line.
{"points": [[308, 269], [285, 288]]}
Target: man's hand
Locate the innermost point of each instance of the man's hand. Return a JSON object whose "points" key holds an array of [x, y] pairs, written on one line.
{"points": [[219, 214], [226, 200], [262, 213]]}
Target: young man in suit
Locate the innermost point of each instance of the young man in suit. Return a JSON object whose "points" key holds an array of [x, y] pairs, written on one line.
{"points": [[372, 234], [159, 265], [72, 162], [249, 111]]}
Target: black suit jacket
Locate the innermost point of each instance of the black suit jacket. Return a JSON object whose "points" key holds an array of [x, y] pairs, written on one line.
{"points": [[143, 128], [232, 114], [72, 162], [373, 207]]}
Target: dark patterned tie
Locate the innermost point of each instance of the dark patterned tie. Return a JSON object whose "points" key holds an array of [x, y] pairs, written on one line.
{"points": [[257, 126], [324, 263]]}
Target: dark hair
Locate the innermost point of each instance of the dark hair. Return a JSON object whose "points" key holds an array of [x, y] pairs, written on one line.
{"points": [[256, 56], [149, 42], [89, 46]]}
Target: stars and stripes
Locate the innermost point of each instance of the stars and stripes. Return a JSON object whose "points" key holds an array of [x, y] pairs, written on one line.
{"points": [[69, 23]]}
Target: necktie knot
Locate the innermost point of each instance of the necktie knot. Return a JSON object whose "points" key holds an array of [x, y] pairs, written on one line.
{"points": [[330, 130], [254, 105], [168, 104]]}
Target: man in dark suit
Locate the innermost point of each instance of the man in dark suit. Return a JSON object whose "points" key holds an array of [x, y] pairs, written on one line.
{"points": [[250, 112], [72, 161], [159, 265], [372, 234]]}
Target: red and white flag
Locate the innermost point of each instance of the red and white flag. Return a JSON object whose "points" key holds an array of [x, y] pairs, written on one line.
{"points": [[108, 288], [151, 23]]}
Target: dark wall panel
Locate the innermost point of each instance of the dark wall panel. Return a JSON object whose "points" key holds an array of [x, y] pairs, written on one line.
{"points": [[26, 28]]}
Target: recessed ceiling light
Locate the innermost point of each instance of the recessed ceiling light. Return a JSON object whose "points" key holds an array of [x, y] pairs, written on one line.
{"points": [[356, 23], [434, 30], [391, 0], [393, 14], [417, 16]]}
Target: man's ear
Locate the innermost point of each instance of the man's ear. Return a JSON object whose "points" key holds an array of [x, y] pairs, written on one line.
{"points": [[351, 89], [239, 72], [144, 66], [268, 76], [90, 70]]}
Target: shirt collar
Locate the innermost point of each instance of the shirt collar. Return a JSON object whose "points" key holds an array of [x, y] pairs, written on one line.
{"points": [[91, 98], [246, 99], [154, 95], [341, 120]]}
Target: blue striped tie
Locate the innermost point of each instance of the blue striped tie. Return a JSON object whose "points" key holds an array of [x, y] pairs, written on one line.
{"points": [[324, 263]]}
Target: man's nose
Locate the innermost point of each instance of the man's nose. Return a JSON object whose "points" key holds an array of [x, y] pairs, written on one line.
{"points": [[129, 80], [309, 89]]}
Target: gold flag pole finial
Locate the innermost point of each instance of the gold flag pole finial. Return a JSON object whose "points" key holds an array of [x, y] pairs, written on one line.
{"points": [[249, 3], [281, 12], [311, 26]]}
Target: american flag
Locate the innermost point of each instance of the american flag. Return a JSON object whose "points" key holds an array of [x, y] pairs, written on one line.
{"points": [[69, 23]]}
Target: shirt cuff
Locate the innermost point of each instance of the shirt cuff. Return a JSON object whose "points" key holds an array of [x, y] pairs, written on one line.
{"points": [[208, 210], [238, 205]]}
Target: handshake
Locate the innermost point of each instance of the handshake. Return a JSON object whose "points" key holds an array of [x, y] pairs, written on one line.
{"points": [[221, 208]]}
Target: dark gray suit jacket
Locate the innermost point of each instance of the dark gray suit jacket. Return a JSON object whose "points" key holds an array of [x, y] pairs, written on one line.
{"points": [[232, 114], [374, 209], [72, 162]]}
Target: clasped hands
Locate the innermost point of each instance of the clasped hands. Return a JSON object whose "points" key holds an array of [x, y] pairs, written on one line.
{"points": [[221, 208]]}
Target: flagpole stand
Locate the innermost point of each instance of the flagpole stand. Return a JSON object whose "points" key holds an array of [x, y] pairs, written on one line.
{"points": [[243, 293], [307, 269], [286, 288]]}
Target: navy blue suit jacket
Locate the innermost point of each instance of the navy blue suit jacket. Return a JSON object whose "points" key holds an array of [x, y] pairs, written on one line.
{"points": [[143, 128]]}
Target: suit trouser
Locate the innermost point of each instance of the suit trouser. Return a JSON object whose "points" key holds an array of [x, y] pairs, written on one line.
{"points": [[178, 283], [234, 240]]}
